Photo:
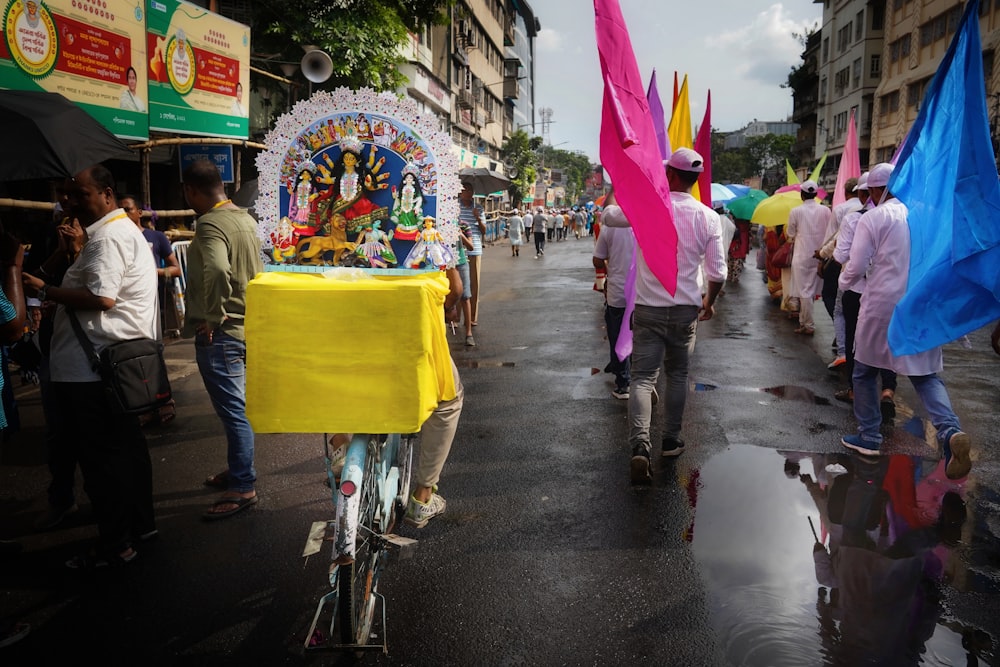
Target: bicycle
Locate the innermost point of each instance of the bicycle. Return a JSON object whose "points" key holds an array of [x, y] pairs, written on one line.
{"points": [[370, 493]]}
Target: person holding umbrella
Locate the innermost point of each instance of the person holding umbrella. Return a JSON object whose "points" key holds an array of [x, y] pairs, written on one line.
{"points": [[807, 230]]}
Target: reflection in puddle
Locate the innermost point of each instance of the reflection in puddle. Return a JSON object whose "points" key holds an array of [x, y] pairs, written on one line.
{"points": [[469, 363], [894, 538], [701, 386], [794, 393]]}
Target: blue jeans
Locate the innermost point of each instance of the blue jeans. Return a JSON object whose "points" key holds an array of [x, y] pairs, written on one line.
{"points": [[659, 335], [222, 364], [613, 320], [929, 388]]}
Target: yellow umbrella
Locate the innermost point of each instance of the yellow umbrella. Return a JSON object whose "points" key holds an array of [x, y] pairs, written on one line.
{"points": [[774, 210]]}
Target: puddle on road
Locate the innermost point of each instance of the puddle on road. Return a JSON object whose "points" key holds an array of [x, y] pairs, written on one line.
{"points": [[895, 540], [787, 391], [470, 363]]}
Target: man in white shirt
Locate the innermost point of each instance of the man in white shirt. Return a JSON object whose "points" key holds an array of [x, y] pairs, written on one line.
{"points": [[664, 325], [880, 251], [111, 290], [807, 226], [613, 255]]}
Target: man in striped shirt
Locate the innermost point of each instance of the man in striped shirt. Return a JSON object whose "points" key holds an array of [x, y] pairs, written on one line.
{"points": [[664, 325]]}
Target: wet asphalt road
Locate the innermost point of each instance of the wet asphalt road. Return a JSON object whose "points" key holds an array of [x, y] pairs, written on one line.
{"points": [[546, 555]]}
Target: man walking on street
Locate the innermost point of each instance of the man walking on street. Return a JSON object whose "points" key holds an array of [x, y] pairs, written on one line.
{"points": [[807, 226], [223, 257], [538, 223], [664, 325], [613, 255], [881, 251]]}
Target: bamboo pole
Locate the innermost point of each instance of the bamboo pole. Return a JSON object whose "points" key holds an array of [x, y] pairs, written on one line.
{"points": [[6, 202], [173, 141]]}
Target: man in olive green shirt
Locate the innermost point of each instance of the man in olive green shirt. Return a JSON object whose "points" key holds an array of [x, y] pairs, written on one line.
{"points": [[224, 256]]}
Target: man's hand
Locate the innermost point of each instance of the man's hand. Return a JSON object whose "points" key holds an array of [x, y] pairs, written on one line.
{"points": [[31, 283], [707, 310], [71, 237]]}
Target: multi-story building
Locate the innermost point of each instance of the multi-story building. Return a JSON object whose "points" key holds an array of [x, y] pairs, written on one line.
{"points": [[917, 34], [804, 83], [850, 68], [759, 128], [484, 60]]}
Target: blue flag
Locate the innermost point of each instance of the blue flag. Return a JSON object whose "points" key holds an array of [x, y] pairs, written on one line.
{"points": [[947, 177]]}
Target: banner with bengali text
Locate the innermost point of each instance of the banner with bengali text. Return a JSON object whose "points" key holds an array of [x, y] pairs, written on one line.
{"points": [[90, 51], [198, 68]]}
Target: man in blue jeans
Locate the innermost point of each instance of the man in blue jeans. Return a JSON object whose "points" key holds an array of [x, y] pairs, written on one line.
{"points": [[613, 257], [664, 324], [880, 252], [223, 257]]}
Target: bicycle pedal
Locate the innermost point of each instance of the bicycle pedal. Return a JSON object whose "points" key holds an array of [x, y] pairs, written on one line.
{"points": [[399, 540]]}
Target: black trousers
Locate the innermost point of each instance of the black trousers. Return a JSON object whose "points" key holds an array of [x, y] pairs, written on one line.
{"points": [[831, 273], [114, 459]]}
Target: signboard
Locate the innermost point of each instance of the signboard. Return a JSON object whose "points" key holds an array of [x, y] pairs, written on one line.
{"points": [[198, 69], [221, 155], [90, 51]]}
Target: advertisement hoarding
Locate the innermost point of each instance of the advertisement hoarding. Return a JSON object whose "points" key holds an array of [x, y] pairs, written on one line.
{"points": [[90, 51], [198, 70]]}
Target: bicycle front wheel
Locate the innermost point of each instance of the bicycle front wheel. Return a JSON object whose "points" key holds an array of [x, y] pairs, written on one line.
{"points": [[358, 580]]}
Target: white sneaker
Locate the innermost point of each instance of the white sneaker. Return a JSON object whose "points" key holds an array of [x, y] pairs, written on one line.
{"points": [[418, 513]]}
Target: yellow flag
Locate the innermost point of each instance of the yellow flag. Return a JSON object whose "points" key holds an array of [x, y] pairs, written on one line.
{"points": [[679, 131], [814, 176], [790, 174]]}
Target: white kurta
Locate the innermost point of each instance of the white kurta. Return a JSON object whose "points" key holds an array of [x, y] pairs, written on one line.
{"points": [[807, 227], [882, 245]]}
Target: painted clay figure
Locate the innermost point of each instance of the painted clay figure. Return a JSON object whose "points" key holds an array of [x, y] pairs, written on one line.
{"points": [[430, 248], [373, 244], [408, 204]]}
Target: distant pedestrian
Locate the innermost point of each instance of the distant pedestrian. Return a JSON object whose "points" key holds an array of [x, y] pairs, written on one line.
{"points": [[538, 224], [807, 226], [515, 232]]}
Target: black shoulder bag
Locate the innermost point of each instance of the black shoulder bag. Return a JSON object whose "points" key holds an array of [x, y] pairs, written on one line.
{"points": [[133, 371]]}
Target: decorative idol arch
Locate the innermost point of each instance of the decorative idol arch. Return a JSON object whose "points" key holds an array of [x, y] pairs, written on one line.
{"points": [[358, 178]]}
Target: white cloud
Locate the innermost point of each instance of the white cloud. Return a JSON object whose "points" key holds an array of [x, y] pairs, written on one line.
{"points": [[548, 40], [765, 49]]}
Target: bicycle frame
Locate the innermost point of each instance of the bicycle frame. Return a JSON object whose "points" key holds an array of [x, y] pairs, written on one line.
{"points": [[365, 500]]}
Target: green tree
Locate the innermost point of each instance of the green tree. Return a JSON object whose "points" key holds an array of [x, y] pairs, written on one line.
{"points": [[768, 152], [362, 38], [520, 152]]}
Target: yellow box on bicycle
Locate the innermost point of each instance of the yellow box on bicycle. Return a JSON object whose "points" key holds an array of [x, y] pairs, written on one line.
{"points": [[364, 355]]}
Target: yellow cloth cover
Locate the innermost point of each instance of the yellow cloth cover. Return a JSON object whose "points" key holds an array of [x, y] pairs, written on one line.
{"points": [[336, 356]]}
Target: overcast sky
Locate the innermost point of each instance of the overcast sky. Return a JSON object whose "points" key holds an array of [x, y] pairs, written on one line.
{"points": [[741, 50]]}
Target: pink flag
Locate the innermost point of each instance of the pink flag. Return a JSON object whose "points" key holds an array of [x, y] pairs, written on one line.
{"points": [[659, 122], [628, 147], [850, 162], [703, 146]]}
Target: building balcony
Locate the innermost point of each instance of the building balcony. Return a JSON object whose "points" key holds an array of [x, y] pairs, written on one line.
{"points": [[466, 100]]}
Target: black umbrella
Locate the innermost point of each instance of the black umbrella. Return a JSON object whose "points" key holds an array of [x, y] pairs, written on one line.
{"points": [[47, 136], [484, 181], [246, 196]]}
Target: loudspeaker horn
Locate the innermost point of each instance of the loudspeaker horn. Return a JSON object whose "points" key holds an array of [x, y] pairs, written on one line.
{"points": [[317, 66]]}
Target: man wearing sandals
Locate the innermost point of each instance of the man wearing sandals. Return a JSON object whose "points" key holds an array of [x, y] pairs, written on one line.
{"points": [[111, 289], [223, 257]]}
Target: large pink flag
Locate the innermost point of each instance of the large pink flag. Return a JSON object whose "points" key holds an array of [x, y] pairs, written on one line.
{"points": [[703, 146], [628, 147], [659, 119], [850, 162]]}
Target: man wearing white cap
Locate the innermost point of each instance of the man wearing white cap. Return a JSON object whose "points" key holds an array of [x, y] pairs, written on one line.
{"points": [[881, 252], [664, 325], [807, 230]]}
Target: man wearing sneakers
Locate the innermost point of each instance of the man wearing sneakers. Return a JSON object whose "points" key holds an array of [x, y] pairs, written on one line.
{"points": [[436, 436], [881, 250], [613, 257], [664, 325]]}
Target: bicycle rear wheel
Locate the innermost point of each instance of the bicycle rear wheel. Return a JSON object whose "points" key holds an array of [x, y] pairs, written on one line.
{"points": [[358, 580]]}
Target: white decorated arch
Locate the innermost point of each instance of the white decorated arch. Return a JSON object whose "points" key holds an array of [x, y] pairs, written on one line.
{"points": [[308, 203]]}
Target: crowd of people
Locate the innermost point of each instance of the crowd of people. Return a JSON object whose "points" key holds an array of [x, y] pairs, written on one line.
{"points": [[854, 256]]}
